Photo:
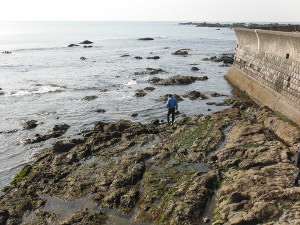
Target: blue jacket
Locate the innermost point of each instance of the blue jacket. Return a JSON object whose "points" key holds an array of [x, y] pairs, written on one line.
{"points": [[172, 103]]}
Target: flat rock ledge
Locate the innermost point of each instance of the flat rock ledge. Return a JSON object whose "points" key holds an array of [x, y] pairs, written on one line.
{"points": [[160, 174], [176, 80]]}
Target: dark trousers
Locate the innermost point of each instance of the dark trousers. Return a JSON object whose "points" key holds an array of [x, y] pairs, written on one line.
{"points": [[297, 177], [171, 111]]}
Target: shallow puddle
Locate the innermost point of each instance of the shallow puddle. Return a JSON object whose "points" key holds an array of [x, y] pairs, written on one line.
{"points": [[63, 208]]}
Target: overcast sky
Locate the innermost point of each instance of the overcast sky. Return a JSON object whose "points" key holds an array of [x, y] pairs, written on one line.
{"points": [[152, 10]]}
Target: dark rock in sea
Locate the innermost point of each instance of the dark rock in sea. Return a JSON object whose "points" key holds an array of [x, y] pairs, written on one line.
{"points": [[125, 55], [100, 110], [153, 57], [165, 98], [57, 131], [6, 52], [134, 114], [90, 97], [149, 88], [194, 68], [211, 103], [86, 42], [9, 131], [193, 95], [73, 45], [138, 57], [182, 52], [103, 90], [1, 92], [150, 71], [146, 39], [224, 65], [215, 94], [225, 58], [88, 46], [30, 124], [82, 58], [140, 93], [176, 80]]}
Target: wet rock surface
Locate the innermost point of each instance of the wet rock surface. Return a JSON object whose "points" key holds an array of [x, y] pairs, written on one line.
{"points": [[150, 71], [176, 80], [193, 95], [30, 124], [160, 174], [57, 131], [225, 58]]}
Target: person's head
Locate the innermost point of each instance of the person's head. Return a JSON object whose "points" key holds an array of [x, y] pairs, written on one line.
{"points": [[170, 96]]}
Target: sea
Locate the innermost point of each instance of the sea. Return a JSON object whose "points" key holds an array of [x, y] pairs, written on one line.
{"points": [[45, 80]]}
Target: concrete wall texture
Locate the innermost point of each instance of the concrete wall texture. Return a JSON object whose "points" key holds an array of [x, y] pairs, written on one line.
{"points": [[267, 67]]}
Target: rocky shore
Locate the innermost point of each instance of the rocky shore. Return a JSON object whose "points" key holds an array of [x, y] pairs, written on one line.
{"points": [[238, 161]]}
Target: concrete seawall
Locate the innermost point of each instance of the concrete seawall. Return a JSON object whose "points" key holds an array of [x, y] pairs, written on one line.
{"points": [[267, 68]]}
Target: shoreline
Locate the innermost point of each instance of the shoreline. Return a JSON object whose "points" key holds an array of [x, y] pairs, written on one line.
{"points": [[154, 173]]}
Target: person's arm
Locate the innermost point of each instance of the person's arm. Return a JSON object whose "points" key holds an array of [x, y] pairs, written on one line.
{"points": [[168, 103], [176, 105]]}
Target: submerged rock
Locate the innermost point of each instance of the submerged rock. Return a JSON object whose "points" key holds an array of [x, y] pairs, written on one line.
{"points": [[73, 45], [182, 52], [194, 68], [140, 93], [149, 88], [90, 97]]}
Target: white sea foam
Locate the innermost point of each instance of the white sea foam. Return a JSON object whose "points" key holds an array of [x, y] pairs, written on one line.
{"points": [[38, 90], [131, 83]]}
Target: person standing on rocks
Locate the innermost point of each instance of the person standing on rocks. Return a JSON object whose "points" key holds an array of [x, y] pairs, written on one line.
{"points": [[297, 177], [172, 106]]}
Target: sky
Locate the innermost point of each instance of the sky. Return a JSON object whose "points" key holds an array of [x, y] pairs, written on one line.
{"points": [[151, 10]]}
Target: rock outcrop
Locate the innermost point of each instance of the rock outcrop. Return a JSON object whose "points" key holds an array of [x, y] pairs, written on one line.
{"points": [[160, 174], [176, 80]]}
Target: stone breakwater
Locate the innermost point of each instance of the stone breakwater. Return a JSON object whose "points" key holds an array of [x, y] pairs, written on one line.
{"points": [[155, 173], [267, 67]]}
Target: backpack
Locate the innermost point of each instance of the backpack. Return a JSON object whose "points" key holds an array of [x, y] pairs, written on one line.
{"points": [[298, 158]]}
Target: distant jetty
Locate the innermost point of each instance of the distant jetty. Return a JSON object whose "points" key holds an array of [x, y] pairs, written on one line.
{"points": [[268, 26]]}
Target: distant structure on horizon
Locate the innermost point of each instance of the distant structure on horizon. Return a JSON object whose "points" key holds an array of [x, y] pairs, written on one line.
{"points": [[267, 67]]}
